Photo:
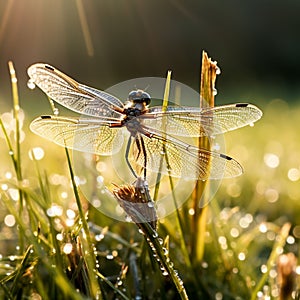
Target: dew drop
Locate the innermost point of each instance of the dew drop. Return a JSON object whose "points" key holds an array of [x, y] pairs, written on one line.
{"points": [[31, 84], [12, 258], [128, 219], [218, 71], [56, 111], [141, 231], [241, 256], [9, 220], [263, 228], [8, 175], [155, 234], [150, 204], [99, 237], [290, 240], [191, 211], [36, 153], [120, 282], [59, 236], [14, 194], [215, 91], [4, 187], [67, 249], [264, 269], [109, 256]]}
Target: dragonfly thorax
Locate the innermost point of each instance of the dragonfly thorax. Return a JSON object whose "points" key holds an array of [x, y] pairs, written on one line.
{"points": [[132, 112]]}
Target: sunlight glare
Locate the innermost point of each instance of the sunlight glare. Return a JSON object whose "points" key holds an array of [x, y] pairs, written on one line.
{"points": [[36, 153], [271, 195], [9, 220], [14, 194], [67, 248], [55, 210], [293, 174], [271, 160], [263, 228]]}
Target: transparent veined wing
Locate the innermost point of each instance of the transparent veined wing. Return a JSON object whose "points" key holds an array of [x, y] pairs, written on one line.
{"points": [[180, 159], [195, 121], [73, 95], [87, 135]]}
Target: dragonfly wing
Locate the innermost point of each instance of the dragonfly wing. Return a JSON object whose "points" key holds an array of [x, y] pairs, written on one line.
{"points": [[73, 95], [171, 156], [82, 135], [193, 121]]}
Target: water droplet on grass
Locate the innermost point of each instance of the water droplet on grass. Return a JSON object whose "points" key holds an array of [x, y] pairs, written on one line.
{"points": [[109, 256], [120, 282], [67, 249], [141, 231], [166, 251], [155, 234]]}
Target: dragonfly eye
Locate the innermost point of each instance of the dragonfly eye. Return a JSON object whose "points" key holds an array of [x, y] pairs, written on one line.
{"points": [[139, 96]]}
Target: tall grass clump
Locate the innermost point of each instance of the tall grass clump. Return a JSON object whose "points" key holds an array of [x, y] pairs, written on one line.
{"points": [[56, 245]]}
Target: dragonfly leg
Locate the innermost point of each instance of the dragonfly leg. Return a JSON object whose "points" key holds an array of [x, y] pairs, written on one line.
{"points": [[127, 157], [142, 150], [145, 158]]}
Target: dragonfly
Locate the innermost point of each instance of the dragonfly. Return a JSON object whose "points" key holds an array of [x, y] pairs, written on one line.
{"points": [[105, 122]]}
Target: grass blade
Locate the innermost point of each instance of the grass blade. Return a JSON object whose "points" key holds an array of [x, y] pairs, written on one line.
{"points": [[208, 77]]}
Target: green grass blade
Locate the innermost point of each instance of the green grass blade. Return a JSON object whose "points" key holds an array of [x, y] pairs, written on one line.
{"points": [[88, 246], [280, 242]]}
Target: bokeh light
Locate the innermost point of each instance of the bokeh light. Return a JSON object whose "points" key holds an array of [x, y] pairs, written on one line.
{"points": [[271, 160]]}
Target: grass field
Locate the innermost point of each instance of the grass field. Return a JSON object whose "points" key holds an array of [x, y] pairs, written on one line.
{"points": [[56, 245]]}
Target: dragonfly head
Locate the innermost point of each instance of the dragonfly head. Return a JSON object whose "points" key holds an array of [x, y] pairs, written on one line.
{"points": [[139, 96]]}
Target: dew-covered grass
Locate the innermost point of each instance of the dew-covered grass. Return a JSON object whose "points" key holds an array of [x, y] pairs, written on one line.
{"points": [[56, 245]]}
